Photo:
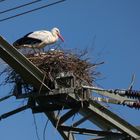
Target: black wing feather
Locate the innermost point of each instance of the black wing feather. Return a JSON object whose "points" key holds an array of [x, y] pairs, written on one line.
{"points": [[26, 41]]}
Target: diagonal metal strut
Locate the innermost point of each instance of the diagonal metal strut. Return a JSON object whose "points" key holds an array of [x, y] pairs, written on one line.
{"points": [[27, 70]]}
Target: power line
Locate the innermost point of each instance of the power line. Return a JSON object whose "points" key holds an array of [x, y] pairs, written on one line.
{"points": [[2, 0], [47, 5], [20, 6], [44, 131], [36, 129]]}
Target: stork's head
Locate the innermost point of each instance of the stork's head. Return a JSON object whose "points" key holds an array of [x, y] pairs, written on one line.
{"points": [[56, 31]]}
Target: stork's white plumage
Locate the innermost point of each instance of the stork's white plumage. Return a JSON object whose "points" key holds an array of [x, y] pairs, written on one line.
{"points": [[38, 39]]}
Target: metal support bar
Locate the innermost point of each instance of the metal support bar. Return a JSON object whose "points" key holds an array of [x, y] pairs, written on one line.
{"points": [[13, 112], [49, 107], [81, 121], [106, 100], [68, 115], [131, 104], [88, 131], [5, 98], [108, 93], [28, 71]]}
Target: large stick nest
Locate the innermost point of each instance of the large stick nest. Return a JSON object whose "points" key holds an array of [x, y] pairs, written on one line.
{"points": [[54, 62]]}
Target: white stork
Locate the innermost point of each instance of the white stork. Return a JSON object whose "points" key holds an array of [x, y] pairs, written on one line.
{"points": [[38, 39]]}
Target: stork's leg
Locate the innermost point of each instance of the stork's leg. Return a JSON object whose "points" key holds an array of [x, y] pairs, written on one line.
{"points": [[42, 49], [34, 50], [41, 46]]}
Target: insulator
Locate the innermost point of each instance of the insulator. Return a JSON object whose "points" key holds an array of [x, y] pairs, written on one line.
{"points": [[129, 93], [120, 92], [132, 94], [135, 105]]}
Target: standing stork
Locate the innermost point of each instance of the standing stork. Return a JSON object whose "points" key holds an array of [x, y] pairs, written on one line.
{"points": [[38, 39]]}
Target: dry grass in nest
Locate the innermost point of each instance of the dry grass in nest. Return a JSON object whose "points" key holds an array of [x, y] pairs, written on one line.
{"points": [[54, 62]]}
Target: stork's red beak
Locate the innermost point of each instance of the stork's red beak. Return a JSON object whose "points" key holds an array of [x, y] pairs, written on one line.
{"points": [[61, 37]]}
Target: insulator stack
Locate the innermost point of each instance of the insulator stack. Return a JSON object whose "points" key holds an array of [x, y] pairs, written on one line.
{"points": [[133, 94], [135, 105]]}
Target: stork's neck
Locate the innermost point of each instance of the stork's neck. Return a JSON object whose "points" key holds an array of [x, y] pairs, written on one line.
{"points": [[54, 34]]}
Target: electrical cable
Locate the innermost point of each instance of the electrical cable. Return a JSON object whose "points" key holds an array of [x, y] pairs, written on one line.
{"points": [[47, 5], [44, 131], [36, 129], [20, 6], [2, 0], [6, 97]]}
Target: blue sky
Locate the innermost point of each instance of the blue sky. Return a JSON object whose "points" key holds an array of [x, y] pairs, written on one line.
{"points": [[110, 29]]}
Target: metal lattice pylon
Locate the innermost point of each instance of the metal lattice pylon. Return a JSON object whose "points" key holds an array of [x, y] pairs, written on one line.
{"points": [[89, 110]]}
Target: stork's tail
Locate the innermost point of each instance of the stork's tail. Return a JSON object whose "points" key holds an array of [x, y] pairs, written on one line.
{"points": [[18, 43]]}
